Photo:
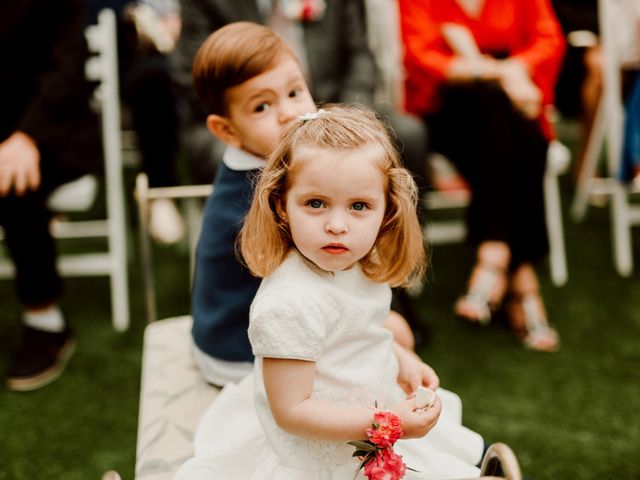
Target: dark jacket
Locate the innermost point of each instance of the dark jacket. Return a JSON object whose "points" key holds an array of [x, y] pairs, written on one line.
{"points": [[223, 288], [43, 91]]}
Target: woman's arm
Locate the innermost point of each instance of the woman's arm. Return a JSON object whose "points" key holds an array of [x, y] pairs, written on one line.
{"points": [[423, 41], [289, 384], [542, 55]]}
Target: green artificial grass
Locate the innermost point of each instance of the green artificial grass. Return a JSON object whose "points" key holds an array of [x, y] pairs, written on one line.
{"points": [[573, 414], [570, 415]]}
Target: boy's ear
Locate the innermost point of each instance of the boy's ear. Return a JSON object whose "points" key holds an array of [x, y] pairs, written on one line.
{"points": [[222, 129]]}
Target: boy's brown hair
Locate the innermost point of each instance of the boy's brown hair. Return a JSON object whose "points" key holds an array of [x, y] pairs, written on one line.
{"points": [[398, 255], [232, 55]]}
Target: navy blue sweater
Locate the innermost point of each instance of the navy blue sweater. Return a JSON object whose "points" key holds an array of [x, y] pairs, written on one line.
{"points": [[223, 288]]}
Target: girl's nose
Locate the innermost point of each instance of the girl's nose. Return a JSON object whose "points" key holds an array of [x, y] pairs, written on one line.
{"points": [[336, 227]]}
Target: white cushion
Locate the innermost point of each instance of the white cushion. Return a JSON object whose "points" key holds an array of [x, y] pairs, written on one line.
{"points": [[173, 395]]}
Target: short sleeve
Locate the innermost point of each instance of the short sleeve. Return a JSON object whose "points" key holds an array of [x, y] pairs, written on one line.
{"points": [[290, 326]]}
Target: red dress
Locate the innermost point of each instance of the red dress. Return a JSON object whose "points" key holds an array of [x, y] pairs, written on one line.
{"points": [[526, 30]]}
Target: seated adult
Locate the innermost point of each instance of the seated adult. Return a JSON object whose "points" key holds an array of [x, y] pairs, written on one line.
{"points": [[48, 136], [482, 73]]}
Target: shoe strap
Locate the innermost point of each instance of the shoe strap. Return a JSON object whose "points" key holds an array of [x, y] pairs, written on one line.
{"points": [[479, 294], [536, 323]]}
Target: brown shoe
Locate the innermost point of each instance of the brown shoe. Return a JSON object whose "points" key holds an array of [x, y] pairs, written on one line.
{"points": [[40, 359], [499, 461]]}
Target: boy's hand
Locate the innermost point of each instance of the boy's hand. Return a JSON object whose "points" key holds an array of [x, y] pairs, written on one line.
{"points": [[19, 164], [416, 423], [413, 372]]}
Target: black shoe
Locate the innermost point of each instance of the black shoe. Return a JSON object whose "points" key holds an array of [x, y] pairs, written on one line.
{"points": [[40, 359], [499, 461]]}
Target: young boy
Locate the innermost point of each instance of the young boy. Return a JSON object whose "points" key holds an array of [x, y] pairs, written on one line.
{"points": [[252, 87]]}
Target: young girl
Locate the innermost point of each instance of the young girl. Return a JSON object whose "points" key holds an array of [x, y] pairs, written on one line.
{"points": [[332, 226]]}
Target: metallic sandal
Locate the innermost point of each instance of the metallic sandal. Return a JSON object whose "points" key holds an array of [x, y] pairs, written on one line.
{"points": [[536, 330], [478, 297]]}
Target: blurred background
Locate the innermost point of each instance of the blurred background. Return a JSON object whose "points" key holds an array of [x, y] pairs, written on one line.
{"points": [[570, 414]]}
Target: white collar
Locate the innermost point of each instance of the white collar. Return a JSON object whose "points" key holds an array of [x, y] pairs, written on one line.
{"points": [[241, 160]]}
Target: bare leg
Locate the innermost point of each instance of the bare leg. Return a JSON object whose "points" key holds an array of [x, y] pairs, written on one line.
{"points": [[590, 93]]}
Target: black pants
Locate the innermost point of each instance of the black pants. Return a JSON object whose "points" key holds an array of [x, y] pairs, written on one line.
{"points": [[25, 221], [148, 90], [502, 156]]}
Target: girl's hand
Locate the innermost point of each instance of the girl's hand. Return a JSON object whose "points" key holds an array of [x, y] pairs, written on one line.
{"points": [[413, 372], [417, 423]]}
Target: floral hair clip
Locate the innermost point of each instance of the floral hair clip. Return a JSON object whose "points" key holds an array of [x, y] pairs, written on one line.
{"points": [[312, 115], [376, 454]]}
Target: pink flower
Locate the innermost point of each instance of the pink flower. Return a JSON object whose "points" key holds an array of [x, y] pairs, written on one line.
{"points": [[387, 428], [386, 465]]}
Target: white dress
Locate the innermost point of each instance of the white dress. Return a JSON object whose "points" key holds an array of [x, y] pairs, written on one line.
{"points": [[336, 321]]}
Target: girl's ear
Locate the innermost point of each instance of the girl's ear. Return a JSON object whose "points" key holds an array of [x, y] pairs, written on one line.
{"points": [[281, 210], [224, 130]]}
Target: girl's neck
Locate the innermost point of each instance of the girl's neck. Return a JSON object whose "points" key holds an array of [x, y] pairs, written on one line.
{"points": [[315, 267], [473, 8]]}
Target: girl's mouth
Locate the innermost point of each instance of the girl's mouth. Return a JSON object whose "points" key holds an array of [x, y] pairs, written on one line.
{"points": [[335, 249]]}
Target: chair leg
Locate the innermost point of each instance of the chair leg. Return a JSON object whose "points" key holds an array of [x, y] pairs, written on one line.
{"points": [[590, 164], [142, 197], [194, 223], [120, 294], [621, 231], [555, 230]]}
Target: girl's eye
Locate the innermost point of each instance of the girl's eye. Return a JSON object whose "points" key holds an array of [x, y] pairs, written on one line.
{"points": [[295, 92], [262, 107], [315, 203], [359, 206]]}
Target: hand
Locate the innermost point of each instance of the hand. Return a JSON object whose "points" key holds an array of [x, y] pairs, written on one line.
{"points": [[19, 164], [484, 68], [417, 423], [413, 372], [523, 93]]}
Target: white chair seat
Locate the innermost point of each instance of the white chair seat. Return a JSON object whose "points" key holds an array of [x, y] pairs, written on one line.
{"points": [[173, 396]]}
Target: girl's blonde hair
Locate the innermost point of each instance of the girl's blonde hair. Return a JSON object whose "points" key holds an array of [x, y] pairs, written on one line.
{"points": [[398, 254]]}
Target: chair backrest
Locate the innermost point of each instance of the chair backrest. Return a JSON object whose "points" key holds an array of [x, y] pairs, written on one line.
{"points": [[191, 196], [102, 67]]}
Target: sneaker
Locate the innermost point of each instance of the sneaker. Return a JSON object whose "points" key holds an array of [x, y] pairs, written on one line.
{"points": [[40, 359], [165, 223]]}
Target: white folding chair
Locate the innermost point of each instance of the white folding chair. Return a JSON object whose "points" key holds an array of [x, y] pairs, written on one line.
{"points": [[191, 196], [608, 127], [453, 231], [101, 67]]}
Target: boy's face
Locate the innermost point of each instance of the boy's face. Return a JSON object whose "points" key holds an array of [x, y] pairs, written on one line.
{"points": [[261, 108]]}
